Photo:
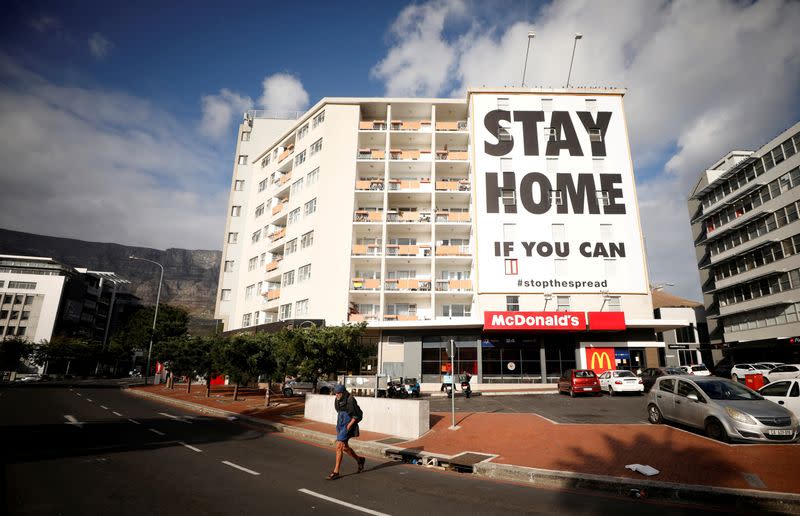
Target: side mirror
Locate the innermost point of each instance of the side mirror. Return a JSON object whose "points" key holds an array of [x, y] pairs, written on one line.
{"points": [[693, 397]]}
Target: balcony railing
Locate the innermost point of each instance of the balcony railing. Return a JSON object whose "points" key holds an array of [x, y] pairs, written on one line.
{"points": [[410, 154], [372, 125], [409, 184], [363, 317], [371, 154], [367, 216], [450, 155], [456, 285], [366, 284], [273, 294], [285, 178], [400, 317], [278, 207], [453, 250], [369, 184], [274, 264], [411, 125], [421, 285], [283, 155], [458, 125], [277, 235], [453, 216], [367, 250], [408, 216], [451, 185], [408, 250]]}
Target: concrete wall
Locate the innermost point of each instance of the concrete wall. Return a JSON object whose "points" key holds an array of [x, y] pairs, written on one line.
{"points": [[403, 418]]}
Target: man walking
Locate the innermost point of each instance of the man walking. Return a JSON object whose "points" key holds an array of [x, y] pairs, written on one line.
{"points": [[348, 414]]}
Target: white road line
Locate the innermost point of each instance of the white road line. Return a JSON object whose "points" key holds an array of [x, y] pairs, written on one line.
{"points": [[156, 432], [89, 400], [103, 407], [134, 421], [190, 446], [177, 418], [345, 504], [116, 414], [72, 421], [79, 394], [231, 464]]}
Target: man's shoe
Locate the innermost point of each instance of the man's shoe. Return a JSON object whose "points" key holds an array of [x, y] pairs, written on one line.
{"points": [[361, 462]]}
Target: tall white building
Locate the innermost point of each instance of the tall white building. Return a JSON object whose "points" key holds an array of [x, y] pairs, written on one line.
{"points": [[507, 222]]}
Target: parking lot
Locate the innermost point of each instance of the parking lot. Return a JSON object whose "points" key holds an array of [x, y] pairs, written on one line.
{"points": [[558, 408]]}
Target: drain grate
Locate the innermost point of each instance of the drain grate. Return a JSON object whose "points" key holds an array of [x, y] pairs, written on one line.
{"points": [[470, 458], [391, 440]]}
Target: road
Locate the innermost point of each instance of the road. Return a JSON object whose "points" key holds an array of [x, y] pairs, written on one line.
{"points": [[96, 450]]}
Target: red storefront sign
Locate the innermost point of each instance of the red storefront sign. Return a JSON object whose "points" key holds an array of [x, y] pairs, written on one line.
{"points": [[600, 360], [552, 321], [606, 321]]}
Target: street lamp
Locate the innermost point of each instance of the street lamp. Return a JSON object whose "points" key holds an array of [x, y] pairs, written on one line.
{"points": [[578, 36], [155, 316], [531, 35]]}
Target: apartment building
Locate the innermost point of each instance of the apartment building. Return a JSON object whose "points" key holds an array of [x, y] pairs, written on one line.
{"points": [[744, 218], [506, 222]]}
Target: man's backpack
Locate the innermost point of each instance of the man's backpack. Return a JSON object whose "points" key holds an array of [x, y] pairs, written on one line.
{"points": [[356, 410]]}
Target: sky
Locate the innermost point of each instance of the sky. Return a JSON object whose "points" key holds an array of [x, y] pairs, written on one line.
{"points": [[118, 119]]}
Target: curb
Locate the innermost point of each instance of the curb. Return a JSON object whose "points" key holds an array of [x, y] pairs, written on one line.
{"points": [[740, 498]]}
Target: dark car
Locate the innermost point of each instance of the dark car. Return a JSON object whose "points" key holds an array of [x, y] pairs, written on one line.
{"points": [[649, 375], [579, 381], [723, 368]]}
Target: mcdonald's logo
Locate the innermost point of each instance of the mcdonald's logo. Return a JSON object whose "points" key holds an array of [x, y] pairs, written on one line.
{"points": [[600, 359]]}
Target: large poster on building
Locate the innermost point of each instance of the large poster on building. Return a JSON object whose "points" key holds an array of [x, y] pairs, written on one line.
{"points": [[554, 198]]}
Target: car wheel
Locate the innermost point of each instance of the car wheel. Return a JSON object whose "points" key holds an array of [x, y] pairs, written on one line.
{"points": [[287, 392], [654, 414], [716, 431], [571, 393], [734, 377], [610, 391]]}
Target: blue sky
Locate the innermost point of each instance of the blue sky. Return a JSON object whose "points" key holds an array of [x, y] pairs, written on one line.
{"points": [[128, 109]]}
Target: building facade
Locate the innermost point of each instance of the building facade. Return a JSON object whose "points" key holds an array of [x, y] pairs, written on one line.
{"points": [[506, 223], [688, 345], [744, 218]]}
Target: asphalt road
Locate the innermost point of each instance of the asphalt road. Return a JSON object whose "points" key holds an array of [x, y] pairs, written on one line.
{"points": [[96, 451]]}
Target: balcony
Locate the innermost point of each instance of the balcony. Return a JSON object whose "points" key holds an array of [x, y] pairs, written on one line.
{"points": [[408, 216], [453, 185], [456, 285], [367, 216], [363, 317], [285, 178], [414, 285], [273, 294], [372, 125], [371, 154], [286, 153], [369, 184], [453, 250], [400, 317], [396, 185], [274, 264], [279, 207], [277, 235], [366, 250], [411, 125], [451, 155], [421, 250], [410, 154], [365, 284], [453, 216], [458, 125]]}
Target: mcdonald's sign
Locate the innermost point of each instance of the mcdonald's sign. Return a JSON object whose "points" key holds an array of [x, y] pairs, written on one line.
{"points": [[600, 360]]}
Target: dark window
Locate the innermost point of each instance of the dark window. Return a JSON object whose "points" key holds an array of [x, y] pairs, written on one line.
{"points": [[667, 385], [686, 388], [776, 389]]}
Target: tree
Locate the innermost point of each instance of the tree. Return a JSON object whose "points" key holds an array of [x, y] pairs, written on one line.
{"points": [[266, 360], [135, 335], [67, 349], [12, 351], [234, 357]]}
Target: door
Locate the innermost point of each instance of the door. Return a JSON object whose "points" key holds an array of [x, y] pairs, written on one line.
{"points": [[785, 393], [689, 411], [665, 397], [605, 379]]}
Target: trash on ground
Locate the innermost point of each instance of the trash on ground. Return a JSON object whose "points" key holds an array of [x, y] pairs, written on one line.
{"points": [[643, 469]]}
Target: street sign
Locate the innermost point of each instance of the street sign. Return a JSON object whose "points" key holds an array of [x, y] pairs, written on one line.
{"points": [[678, 346]]}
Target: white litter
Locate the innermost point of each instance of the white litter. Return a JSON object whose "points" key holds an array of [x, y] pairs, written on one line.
{"points": [[644, 470]]}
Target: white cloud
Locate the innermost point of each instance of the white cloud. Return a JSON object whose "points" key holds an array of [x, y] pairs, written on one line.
{"points": [[220, 110], [99, 46], [703, 78], [283, 93], [45, 23], [103, 166]]}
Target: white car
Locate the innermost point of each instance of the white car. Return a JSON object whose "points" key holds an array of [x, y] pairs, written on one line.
{"points": [[783, 372], [768, 365], [785, 393], [739, 371], [620, 381], [293, 387], [697, 370]]}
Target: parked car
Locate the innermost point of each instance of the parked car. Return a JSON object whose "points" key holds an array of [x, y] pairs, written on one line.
{"points": [[696, 370], [723, 368], [579, 381], [301, 387], [725, 409], [650, 375], [768, 365], [620, 381], [738, 371], [783, 372], [785, 393]]}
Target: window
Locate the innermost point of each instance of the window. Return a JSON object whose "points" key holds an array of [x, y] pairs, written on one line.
{"points": [[26, 314], [456, 310], [316, 147], [3, 315], [25, 285], [238, 185], [246, 320], [562, 303], [504, 134], [225, 294], [610, 266], [261, 259], [667, 385], [236, 211], [556, 199], [285, 311], [262, 185], [252, 263], [512, 303], [310, 207], [614, 304], [776, 389], [259, 210], [560, 267], [291, 247], [245, 136], [547, 104], [550, 134], [304, 273], [294, 216], [302, 132], [242, 159], [606, 232], [559, 232], [594, 135], [551, 165], [509, 196], [318, 119], [248, 291], [288, 279], [14, 315], [21, 331], [228, 265], [502, 103], [300, 158], [307, 240], [296, 187], [256, 236], [313, 176], [301, 308], [602, 196], [233, 238], [591, 105], [686, 388], [28, 300]]}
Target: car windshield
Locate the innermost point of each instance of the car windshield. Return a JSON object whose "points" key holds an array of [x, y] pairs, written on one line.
{"points": [[763, 367], [584, 374], [624, 374], [699, 368], [674, 370], [722, 390]]}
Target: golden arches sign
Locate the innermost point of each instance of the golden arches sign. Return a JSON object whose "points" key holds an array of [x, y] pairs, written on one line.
{"points": [[601, 359]]}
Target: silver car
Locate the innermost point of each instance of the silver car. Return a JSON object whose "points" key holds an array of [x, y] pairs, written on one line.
{"points": [[725, 409]]}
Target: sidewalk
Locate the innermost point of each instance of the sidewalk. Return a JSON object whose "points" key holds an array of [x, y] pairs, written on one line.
{"points": [[529, 448]]}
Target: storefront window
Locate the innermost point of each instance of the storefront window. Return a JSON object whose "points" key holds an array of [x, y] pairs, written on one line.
{"points": [[511, 359], [436, 356], [559, 357]]}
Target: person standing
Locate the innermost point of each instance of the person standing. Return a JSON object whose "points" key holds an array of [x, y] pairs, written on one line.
{"points": [[348, 414]]}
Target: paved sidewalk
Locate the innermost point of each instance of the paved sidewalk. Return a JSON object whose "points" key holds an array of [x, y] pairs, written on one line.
{"points": [[579, 451]]}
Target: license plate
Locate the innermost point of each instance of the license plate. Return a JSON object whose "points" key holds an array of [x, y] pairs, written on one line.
{"points": [[779, 432], [587, 388]]}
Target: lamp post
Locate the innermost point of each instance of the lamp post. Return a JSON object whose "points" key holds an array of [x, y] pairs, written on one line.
{"points": [[155, 315], [531, 35], [578, 36]]}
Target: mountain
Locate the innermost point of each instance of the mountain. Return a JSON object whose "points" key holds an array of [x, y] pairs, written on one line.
{"points": [[190, 276]]}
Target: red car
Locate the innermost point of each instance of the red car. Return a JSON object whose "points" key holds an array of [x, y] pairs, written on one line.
{"points": [[579, 381]]}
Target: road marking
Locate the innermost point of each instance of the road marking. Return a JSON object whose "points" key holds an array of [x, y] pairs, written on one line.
{"points": [[345, 504], [103, 407], [231, 464], [157, 432], [189, 446], [72, 421], [177, 418], [116, 414], [134, 421], [89, 400], [79, 394]]}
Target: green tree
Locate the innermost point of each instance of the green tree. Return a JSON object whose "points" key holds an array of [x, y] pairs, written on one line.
{"points": [[266, 361], [67, 349], [135, 335], [12, 351], [235, 358]]}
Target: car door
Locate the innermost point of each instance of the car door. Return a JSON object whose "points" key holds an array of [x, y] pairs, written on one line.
{"points": [[793, 401], [648, 379], [689, 411], [779, 373], [604, 380], [665, 397], [777, 392]]}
